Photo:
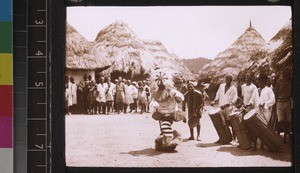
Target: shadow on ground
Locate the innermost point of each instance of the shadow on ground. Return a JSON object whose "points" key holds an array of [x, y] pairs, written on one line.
{"points": [[283, 155], [205, 145], [146, 152]]}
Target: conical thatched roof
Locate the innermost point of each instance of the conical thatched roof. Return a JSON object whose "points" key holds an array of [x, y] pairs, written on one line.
{"points": [[276, 57], [235, 58], [131, 54], [80, 53]]}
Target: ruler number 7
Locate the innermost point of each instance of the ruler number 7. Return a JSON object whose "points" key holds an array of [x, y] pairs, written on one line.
{"points": [[39, 22]]}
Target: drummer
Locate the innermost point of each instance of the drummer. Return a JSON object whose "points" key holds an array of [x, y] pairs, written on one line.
{"points": [[266, 97], [249, 93], [226, 96], [194, 101], [250, 101], [266, 100]]}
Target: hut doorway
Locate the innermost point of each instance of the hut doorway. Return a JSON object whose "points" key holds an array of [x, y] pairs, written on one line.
{"points": [[137, 77], [116, 74], [141, 77]]}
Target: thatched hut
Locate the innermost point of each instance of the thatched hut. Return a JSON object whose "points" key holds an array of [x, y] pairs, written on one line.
{"points": [[81, 58], [117, 51]]}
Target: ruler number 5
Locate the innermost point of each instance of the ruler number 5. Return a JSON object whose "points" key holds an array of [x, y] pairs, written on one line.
{"points": [[38, 84], [39, 22]]}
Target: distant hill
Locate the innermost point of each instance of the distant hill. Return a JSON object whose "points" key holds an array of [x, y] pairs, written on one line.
{"points": [[196, 64]]}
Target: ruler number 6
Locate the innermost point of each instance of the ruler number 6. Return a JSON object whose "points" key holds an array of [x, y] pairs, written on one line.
{"points": [[38, 84], [39, 22], [39, 53]]}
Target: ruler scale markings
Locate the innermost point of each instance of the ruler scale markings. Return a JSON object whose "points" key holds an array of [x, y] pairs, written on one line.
{"points": [[20, 31], [37, 54], [37, 119], [38, 150], [41, 134], [37, 26], [41, 165], [36, 87], [20, 47], [24, 63], [46, 67], [16, 14]]}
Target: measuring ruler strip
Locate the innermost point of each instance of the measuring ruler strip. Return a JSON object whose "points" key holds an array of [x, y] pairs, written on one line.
{"points": [[37, 87]]}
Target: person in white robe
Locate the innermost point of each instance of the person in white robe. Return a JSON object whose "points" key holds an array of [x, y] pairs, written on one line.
{"points": [[249, 93], [101, 99], [226, 97], [266, 98], [110, 92], [128, 94]]}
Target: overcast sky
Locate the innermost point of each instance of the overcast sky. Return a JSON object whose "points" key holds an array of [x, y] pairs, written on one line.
{"points": [[189, 32]]}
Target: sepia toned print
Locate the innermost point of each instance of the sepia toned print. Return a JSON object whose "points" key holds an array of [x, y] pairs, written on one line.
{"points": [[178, 87]]}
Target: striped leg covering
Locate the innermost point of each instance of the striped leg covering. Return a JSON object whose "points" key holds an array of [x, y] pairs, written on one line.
{"points": [[166, 130], [168, 139]]}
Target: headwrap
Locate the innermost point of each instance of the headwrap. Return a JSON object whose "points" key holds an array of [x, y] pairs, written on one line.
{"points": [[230, 76]]}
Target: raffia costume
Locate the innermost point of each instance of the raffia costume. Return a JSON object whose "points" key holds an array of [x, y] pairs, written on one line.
{"points": [[165, 111]]}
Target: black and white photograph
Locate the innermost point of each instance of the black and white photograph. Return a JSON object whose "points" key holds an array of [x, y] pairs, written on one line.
{"points": [[179, 86]]}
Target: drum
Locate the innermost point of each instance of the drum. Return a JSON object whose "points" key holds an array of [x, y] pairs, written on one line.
{"points": [[226, 111], [259, 126], [238, 126], [193, 121], [220, 125]]}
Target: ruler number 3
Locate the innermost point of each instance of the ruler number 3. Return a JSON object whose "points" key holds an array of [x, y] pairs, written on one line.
{"points": [[39, 22]]}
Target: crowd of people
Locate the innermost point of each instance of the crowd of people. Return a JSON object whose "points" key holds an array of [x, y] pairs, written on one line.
{"points": [[271, 97], [104, 96]]}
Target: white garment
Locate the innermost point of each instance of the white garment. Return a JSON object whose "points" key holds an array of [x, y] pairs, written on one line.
{"points": [[101, 89], [73, 88], [110, 91], [267, 98], [70, 101], [128, 94], [229, 97], [68, 96], [250, 95], [135, 92], [169, 105]]}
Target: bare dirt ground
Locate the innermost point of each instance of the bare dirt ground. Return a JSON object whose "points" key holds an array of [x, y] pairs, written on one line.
{"points": [[127, 140]]}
